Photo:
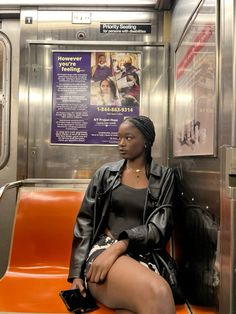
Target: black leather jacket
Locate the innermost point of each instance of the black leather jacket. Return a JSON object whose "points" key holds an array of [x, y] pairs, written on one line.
{"points": [[91, 218]]}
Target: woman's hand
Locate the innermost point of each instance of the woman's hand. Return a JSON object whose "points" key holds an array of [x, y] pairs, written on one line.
{"points": [[78, 283], [102, 264]]}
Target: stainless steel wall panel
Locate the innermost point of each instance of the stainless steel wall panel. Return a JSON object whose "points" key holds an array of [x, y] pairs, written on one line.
{"points": [[201, 174], [76, 161], [227, 76], [61, 26], [27, 31], [210, 178], [181, 13], [228, 231], [200, 166], [54, 30]]}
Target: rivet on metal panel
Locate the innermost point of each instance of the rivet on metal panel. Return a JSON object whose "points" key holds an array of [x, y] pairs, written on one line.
{"points": [[33, 153], [80, 35]]}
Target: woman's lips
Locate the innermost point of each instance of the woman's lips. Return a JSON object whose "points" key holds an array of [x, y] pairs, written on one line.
{"points": [[122, 152]]}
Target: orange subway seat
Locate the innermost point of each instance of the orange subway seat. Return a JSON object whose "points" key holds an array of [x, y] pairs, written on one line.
{"points": [[40, 252], [202, 310]]}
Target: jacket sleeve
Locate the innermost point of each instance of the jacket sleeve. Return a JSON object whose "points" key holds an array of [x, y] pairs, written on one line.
{"points": [[83, 230], [157, 230]]}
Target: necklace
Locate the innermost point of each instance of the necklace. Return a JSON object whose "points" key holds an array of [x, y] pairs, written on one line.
{"points": [[136, 171]]}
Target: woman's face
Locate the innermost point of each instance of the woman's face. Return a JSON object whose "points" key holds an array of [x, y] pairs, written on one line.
{"points": [[105, 87], [131, 80], [130, 141]]}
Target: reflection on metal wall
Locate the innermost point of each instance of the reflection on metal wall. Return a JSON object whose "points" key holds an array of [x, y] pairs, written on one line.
{"points": [[133, 32], [200, 172], [213, 179], [200, 175], [196, 86]]}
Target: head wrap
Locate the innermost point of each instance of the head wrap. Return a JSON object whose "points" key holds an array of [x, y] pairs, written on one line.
{"points": [[146, 127]]}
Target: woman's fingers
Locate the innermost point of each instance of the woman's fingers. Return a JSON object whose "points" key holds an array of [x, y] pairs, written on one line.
{"points": [[79, 284], [96, 273]]}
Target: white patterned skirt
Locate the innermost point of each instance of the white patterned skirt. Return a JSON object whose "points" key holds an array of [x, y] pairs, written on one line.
{"points": [[105, 241]]}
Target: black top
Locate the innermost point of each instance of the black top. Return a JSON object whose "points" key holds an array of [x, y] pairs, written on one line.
{"points": [[126, 210], [92, 216]]}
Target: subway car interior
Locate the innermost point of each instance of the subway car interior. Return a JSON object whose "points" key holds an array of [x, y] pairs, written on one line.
{"points": [[55, 132]]}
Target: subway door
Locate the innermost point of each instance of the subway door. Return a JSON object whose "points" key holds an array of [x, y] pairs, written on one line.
{"points": [[9, 81]]}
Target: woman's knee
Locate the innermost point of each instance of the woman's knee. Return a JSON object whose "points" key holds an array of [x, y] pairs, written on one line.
{"points": [[156, 297], [159, 289]]}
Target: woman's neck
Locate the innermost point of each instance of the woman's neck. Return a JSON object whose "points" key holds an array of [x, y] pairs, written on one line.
{"points": [[134, 175], [135, 164]]}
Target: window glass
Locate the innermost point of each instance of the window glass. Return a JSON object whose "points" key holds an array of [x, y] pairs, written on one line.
{"points": [[1, 91], [4, 99]]}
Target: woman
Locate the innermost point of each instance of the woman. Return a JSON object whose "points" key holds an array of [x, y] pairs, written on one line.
{"points": [[134, 86], [119, 270], [107, 94]]}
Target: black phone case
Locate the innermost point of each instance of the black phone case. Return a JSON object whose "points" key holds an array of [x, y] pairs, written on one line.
{"points": [[75, 302]]}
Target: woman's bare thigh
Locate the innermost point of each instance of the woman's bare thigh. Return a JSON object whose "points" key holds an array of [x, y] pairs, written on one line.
{"points": [[127, 286]]}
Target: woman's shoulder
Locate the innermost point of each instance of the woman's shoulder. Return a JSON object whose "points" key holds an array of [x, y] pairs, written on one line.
{"points": [[105, 172], [112, 166], [160, 169]]}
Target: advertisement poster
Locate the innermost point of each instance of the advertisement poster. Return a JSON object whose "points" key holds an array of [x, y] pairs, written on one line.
{"points": [[92, 93], [195, 96]]}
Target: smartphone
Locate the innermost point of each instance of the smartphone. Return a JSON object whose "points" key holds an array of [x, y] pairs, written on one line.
{"points": [[75, 302]]}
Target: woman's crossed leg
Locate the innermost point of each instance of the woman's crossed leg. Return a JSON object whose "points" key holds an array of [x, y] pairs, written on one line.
{"points": [[131, 288]]}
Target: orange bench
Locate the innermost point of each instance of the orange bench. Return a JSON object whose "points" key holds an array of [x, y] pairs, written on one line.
{"points": [[40, 253]]}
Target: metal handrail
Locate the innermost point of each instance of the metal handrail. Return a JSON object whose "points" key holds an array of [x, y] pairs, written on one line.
{"points": [[41, 182], [9, 186]]}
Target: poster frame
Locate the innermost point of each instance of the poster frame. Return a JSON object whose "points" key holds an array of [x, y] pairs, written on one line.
{"points": [[95, 51], [187, 30]]}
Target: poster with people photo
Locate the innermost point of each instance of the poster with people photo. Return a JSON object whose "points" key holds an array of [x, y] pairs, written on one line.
{"points": [[92, 92]]}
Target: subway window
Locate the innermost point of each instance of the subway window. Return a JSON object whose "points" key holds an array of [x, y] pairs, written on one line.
{"points": [[4, 99]]}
